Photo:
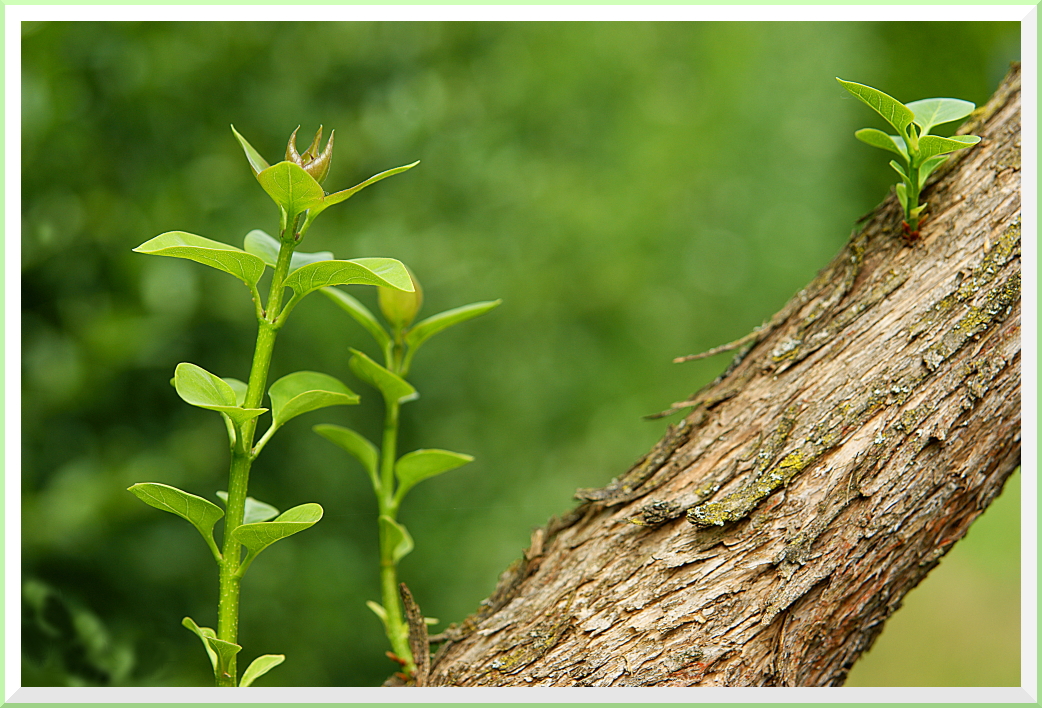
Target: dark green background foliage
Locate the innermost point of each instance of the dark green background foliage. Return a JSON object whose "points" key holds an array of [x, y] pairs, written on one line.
{"points": [[633, 192]]}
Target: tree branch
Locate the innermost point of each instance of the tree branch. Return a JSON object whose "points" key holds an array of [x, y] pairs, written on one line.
{"points": [[768, 536]]}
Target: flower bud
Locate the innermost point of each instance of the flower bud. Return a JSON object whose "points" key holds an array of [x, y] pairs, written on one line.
{"points": [[315, 164], [400, 308]]}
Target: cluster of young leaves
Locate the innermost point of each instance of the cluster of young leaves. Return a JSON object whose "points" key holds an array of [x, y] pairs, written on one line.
{"points": [[294, 187], [398, 340], [921, 152]]}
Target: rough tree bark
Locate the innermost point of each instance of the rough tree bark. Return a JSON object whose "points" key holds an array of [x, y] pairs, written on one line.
{"points": [[852, 441]]}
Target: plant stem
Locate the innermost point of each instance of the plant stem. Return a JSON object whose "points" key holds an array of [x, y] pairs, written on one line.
{"points": [[913, 194], [397, 632], [242, 459]]}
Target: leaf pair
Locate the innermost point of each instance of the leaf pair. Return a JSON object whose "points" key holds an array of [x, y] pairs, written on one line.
{"points": [[925, 113], [410, 469], [223, 653], [294, 190], [310, 273], [256, 531], [292, 395], [418, 333]]}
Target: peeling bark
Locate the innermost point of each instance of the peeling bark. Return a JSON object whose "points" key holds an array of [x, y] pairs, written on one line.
{"points": [[768, 536]]}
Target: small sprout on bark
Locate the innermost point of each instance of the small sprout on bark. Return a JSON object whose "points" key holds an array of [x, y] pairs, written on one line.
{"points": [[920, 152]]}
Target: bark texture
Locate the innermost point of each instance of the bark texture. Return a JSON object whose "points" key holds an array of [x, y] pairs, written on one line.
{"points": [[852, 441]]}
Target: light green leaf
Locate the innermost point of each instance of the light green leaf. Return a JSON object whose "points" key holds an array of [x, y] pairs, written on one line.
{"points": [[199, 512], [358, 446], [902, 196], [900, 170], [935, 145], [255, 510], [398, 538], [257, 163], [221, 653], [893, 111], [305, 391], [340, 196], [178, 244], [361, 314], [879, 139], [360, 271], [198, 387], [291, 187], [937, 111], [419, 465], [425, 329], [226, 652], [256, 537], [393, 387], [260, 666], [204, 634], [267, 248], [238, 387], [929, 166]]}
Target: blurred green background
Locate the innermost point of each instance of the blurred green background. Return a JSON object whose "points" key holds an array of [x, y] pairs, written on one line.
{"points": [[633, 192]]}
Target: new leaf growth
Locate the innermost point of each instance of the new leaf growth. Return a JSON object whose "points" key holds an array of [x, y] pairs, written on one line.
{"points": [[921, 153]]}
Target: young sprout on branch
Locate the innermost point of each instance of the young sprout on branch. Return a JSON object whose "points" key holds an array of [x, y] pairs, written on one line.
{"points": [[921, 153], [392, 476], [294, 186]]}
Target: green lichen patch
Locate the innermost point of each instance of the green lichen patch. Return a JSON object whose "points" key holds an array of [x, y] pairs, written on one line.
{"points": [[1005, 248], [994, 308], [537, 642]]}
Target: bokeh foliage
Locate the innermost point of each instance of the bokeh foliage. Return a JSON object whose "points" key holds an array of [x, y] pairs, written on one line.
{"points": [[633, 192]]}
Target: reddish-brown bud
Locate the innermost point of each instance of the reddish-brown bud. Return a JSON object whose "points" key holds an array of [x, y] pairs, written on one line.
{"points": [[314, 163]]}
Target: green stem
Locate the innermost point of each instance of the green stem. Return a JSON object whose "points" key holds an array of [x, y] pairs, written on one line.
{"points": [[913, 195], [397, 632], [242, 459]]}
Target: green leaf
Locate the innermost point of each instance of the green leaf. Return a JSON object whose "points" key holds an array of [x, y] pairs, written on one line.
{"points": [[239, 388], [893, 111], [257, 163], [226, 652], [425, 329], [258, 536], [902, 196], [340, 196], [419, 465], [358, 446], [929, 166], [198, 387], [937, 111], [178, 244], [199, 512], [900, 170], [291, 187], [267, 248], [260, 666], [305, 391], [879, 139], [255, 510], [204, 634], [221, 653], [361, 314], [360, 271], [932, 145], [399, 539], [393, 387]]}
